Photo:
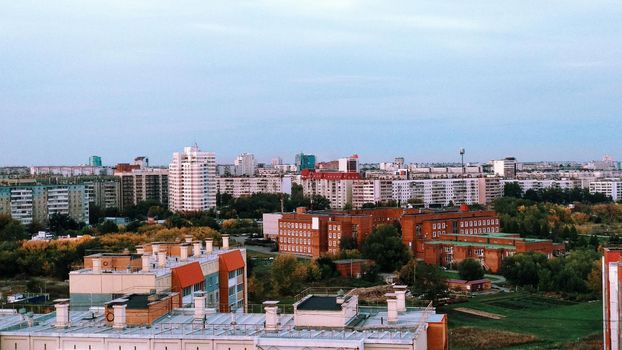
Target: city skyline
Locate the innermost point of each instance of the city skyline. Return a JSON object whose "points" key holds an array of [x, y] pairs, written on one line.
{"points": [[415, 79]]}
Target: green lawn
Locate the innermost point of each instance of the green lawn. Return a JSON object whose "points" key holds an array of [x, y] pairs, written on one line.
{"points": [[555, 322]]}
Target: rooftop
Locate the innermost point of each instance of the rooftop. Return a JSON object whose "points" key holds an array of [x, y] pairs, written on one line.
{"points": [[320, 303], [475, 244]]}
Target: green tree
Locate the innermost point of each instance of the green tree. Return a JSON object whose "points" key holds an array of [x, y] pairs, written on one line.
{"points": [[385, 247], [512, 189], [59, 223], [347, 242], [426, 279], [470, 270], [108, 227]]}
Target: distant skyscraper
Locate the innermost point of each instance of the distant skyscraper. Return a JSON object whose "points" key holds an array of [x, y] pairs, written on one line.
{"points": [[95, 161], [277, 161], [349, 164], [305, 161], [192, 180], [245, 164]]}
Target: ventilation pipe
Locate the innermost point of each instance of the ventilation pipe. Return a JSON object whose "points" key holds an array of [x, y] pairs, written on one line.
{"points": [[120, 320], [391, 307], [400, 295], [62, 313], [183, 252], [225, 242], [162, 258], [97, 265], [209, 246], [146, 260], [140, 250], [155, 248], [199, 305], [272, 315], [196, 248]]}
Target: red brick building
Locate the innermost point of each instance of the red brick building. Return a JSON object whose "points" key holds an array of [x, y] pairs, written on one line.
{"points": [[352, 268], [487, 248]]}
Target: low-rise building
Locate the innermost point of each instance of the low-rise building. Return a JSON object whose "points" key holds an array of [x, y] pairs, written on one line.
{"points": [[487, 248], [183, 268], [155, 321], [608, 187], [246, 186]]}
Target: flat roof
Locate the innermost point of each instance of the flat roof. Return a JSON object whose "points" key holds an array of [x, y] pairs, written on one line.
{"points": [[477, 244], [320, 303], [498, 235]]}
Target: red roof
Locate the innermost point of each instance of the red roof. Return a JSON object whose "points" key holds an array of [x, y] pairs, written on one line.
{"points": [[188, 275], [231, 261]]}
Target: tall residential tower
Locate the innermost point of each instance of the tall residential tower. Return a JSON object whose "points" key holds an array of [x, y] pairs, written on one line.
{"points": [[192, 180]]}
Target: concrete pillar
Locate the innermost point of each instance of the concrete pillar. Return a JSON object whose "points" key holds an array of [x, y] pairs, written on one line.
{"points": [[62, 313], [272, 315], [146, 260], [97, 265], [155, 248], [188, 238], [196, 248], [119, 321], [391, 308], [140, 250], [400, 295], [199, 305], [209, 246], [225, 242]]}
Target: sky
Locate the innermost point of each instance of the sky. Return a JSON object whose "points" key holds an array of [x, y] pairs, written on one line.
{"points": [[538, 80]]}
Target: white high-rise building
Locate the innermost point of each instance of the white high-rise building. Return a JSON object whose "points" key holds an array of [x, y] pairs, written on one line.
{"points": [[505, 167], [608, 187], [192, 180], [245, 164]]}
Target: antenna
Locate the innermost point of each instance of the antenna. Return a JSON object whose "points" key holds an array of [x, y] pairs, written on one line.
{"points": [[462, 160]]}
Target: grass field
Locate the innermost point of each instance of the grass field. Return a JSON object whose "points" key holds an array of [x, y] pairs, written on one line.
{"points": [[553, 322]]}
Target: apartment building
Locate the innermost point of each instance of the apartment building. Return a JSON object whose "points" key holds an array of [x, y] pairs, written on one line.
{"points": [[36, 203], [505, 168], [539, 184], [182, 268], [246, 186], [371, 191], [245, 165], [608, 187], [611, 263], [72, 170], [138, 185], [335, 186], [192, 180], [487, 248], [319, 320], [442, 192], [104, 193]]}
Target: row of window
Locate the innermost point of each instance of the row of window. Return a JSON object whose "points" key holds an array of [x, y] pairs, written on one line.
{"points": [[476, 223], [334, 227], [295, 233], [235, 273], [472, 231], [294, 240], [296, 249], [294, 225], [334, 235]]}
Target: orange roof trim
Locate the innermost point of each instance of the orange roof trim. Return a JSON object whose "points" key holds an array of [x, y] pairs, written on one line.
{"points": [[232, 260]]}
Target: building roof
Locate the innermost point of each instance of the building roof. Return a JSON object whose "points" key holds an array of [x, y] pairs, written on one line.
{"points": [[320, 303], [188, 275], [232, 260], [475, 244]]}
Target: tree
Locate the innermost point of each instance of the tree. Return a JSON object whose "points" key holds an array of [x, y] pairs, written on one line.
{"points": [[426, 279], [594, 279], [385, 247], [512, 189], [470, 270], [286, 274], [59, 223], [11, 230], [108, 227], [347, 242], [327, 267]]}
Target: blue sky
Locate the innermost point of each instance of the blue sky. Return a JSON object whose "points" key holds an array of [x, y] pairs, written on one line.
{"points": [[419, 79]]}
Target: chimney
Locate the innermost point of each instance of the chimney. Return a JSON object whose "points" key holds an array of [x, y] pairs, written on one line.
{"points": [[162, 258], [155, 248], [97, 265], [119, 321], [340, 299], [196, 248], [199, 305], [62, 313], [183, 251], [272, 315], [140, 250], [146, 259], [209, 246], [225, 242], [391, 307], [188, 238], [400, 294]]}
